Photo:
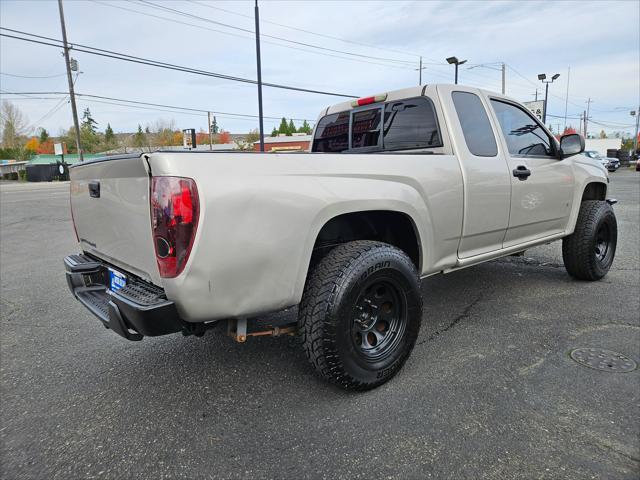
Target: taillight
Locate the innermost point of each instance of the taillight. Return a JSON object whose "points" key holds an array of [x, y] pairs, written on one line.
{"points": [[175, 209], [369, 100]]}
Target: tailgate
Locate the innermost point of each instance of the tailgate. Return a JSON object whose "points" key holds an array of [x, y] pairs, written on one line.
{"points": [[110, 207]]}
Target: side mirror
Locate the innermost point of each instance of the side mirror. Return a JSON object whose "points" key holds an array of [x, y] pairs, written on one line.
{"points": [[571, 144]]}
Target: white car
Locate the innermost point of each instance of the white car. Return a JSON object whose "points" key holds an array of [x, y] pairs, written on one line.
{"points": [[397, 187]]}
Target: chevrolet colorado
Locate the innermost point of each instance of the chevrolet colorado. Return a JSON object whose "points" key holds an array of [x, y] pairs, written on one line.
{"points": [[397, 187]]}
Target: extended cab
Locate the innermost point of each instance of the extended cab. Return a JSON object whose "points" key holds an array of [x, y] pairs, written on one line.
{"points": [[397, 186]]}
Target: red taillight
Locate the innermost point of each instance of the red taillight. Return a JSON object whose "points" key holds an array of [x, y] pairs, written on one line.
{"points": [[175, 209], [369, 100]]}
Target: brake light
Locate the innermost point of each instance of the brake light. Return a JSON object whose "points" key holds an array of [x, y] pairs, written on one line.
{"points": [[369, 100], [175, 209]]}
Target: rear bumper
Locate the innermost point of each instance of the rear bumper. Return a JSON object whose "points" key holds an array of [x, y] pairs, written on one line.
{"points": [[139, 309]]}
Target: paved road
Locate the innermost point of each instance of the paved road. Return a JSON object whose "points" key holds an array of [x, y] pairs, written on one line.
{"points": [[489, 391]]}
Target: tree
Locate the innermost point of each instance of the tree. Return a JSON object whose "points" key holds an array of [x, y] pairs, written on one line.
{"points": [[292, 128], [224, 137], [284, 126], [13, 124], [139, 139], [603, 134], [32, 145], [214, 126], [109, 136], [274, 132], [305, 128], [44, 135], [88, 123]]}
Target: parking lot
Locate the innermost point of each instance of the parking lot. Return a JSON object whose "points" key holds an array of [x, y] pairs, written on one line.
{"points": [[489, 392]]}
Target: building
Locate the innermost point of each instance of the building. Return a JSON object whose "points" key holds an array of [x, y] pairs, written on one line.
{"points": [[601, 145], [283, 143]]}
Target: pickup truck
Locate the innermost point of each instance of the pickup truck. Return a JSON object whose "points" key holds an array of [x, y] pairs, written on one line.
{"points": [[396, 187]]}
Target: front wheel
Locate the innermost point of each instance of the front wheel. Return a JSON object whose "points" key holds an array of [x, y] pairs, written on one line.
{"points": [[360, 314], [588, 253]]}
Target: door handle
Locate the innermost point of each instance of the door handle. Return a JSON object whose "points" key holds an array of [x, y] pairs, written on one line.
{"points": [[94, 189], [521, 172]]}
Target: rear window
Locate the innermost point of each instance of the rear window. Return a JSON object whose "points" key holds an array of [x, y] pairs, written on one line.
{"points": [[332, 133], [401, 125]]}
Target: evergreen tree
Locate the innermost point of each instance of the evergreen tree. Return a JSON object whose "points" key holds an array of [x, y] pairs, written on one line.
{"points": [[139, 139], [291, 128], [284, 126], [108, 134], [305, 128], [274, 132], [88, 123], [214, 126], [44, 135]]}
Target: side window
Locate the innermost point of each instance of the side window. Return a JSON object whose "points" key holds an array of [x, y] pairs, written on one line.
{"points": [[410, 124], [332, 133], [365, 129], [476, 128], [523, 134]]}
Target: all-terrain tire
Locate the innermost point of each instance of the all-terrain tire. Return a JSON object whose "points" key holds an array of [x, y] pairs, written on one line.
{"points": [[351, 296], [588, 253]]}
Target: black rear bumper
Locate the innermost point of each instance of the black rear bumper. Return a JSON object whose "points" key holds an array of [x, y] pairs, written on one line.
{"points": [[139, 309]]}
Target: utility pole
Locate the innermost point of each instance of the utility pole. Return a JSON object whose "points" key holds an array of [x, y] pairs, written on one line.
{"points": [[261, 120], [72, 94], [636, 114], [420, 68], [566, 99], [536, 94], [584, 123], [586, 117], [210, 132], [503, 78]]}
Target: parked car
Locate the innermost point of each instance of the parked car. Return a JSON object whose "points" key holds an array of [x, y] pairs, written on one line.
{"points": [[410, 183], [611, 164]]}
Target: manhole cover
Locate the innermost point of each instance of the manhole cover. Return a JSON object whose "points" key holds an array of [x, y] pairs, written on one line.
{"points": [[602, 359]]}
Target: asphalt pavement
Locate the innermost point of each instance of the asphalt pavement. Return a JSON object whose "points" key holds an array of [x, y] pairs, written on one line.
{"points": [[489, 392]]}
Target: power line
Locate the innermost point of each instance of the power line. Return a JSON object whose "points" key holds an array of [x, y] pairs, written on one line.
{"points": [[307, 31], [173, 20], [156, 63], [30, 76], [247, 30], [138, 102]]}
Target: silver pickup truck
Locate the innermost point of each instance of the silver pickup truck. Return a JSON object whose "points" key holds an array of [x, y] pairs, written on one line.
{"points": [[397, 187]]}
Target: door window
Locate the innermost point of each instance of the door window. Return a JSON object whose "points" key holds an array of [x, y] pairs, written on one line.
{"points": [[523, 134]]}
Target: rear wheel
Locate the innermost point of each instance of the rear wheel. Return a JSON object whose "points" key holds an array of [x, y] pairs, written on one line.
{"points": [[360, 314], [588, 253]]}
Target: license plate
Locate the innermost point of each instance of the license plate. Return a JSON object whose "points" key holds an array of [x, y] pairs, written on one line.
{"points": [[116, 280]]}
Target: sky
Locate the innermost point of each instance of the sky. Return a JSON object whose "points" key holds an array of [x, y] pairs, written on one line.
{"points": [[345, 47]]}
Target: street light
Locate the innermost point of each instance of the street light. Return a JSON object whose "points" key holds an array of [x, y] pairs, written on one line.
{"points": [[542, 77], [456, 62]]}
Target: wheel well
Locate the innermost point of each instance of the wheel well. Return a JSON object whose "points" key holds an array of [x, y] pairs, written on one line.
{"points": [[595, 191], [394, 228]]}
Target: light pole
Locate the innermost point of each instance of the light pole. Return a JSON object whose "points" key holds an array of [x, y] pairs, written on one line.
{"points": [[542, 77], [259, 68], [456, 62]]}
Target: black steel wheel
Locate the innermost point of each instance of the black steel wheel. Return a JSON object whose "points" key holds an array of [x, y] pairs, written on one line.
{"points": [[379, 319], [360, 314], [589, 252]]}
